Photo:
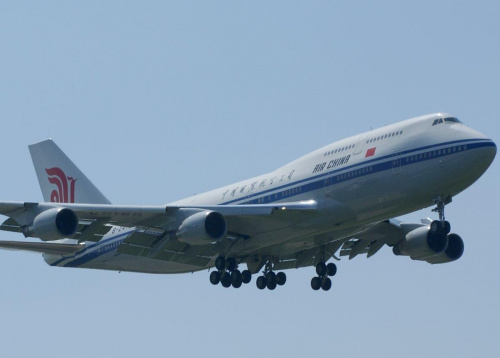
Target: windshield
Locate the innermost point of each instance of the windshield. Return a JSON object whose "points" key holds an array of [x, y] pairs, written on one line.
{"points": [[446, 120], [451, 120]]}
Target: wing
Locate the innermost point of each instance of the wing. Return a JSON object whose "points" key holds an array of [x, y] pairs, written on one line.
{"points": [[145, 216], [154, 226], [308, 251]]}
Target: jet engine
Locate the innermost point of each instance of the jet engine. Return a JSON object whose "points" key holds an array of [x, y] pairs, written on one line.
{"points": [[435, 248], [421, 243], [453, 251], [53, 224], [202, 228]]}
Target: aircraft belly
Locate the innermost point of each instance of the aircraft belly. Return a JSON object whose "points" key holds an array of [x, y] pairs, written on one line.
{"points": [[131, 263]]}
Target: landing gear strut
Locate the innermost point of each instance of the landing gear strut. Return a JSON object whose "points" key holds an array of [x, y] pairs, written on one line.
{"points": [[227, 273], [441, 226], [270, 279], [322, 280]]}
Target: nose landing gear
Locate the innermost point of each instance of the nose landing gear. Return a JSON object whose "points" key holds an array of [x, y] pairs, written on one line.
{"points": [[441, 226]]}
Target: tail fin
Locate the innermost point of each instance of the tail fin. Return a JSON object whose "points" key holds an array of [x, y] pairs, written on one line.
{"points": [[60, 179]]}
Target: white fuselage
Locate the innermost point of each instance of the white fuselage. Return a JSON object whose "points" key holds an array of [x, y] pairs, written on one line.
{"points": [[357, 181]]}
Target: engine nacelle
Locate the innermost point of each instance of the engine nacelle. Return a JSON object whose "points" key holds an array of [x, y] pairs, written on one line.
{"points": [[53, 224], [453, 251], [421, 243], [202, 228]]}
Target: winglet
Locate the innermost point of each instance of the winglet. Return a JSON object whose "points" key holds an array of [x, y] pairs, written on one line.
{"points": [[60, 179]]}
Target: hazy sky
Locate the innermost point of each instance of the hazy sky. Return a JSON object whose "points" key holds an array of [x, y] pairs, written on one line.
{"points": [[157, 101]]}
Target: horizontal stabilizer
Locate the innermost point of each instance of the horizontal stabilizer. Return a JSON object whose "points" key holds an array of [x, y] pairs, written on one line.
{"points": [[43, 247], [11, 225]]}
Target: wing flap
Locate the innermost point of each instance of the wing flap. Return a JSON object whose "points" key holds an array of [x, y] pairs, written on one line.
{"points": [[373, 238]]}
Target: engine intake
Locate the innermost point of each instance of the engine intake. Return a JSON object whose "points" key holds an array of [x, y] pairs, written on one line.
{"points": [[454, 251], [53, 224], [202, 228]]}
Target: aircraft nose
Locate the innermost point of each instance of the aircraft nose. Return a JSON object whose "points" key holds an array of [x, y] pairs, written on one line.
{"points": [[487, 146], [483, 155], [490, 150]]}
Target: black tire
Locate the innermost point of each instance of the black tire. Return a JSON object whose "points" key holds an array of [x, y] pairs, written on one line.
{"points": [[447, 227], [321, 269], [246, 276], [225, 279], [435, 227], [271, 285], [261, 282], [331, 269], [271, 277], [236, 277], [231, 264], [220, 263], [327, 284], [316, 283], [281, 278], [215, 277]]}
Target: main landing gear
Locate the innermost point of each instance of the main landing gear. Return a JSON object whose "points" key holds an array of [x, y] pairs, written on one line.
{"points": [[441, 226], [227, 273], [270, 279], [323, 280]]}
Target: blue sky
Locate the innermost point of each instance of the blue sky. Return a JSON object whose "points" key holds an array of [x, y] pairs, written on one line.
{"points": [[157, 101]]}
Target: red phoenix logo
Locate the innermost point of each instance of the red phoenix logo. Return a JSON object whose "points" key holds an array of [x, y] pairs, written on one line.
{"points": [[65, 192]]}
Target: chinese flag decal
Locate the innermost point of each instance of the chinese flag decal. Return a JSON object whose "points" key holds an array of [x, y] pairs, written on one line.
{"points": [[370, 152]]}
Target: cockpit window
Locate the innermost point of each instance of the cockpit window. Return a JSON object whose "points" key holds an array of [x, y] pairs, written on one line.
{"points": [[445, 120], [451, 120]]}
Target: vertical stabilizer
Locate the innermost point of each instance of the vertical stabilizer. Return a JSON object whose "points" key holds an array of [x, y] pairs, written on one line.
{"points": [[60, 179]]}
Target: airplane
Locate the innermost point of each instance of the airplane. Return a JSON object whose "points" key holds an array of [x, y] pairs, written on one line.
{"points": [[339, 200]]}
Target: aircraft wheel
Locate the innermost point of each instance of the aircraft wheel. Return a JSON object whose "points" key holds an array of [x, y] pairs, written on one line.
{"points": [[246, 276], [316, 283], [447, 227], [236, 276], [281, 278], [321, 269], [331, 269], [271, 277], [327, 284], [261, 282], [435, 226], [220, 263], [215, 277], [225, 279], [271, 285], [231, 263]]}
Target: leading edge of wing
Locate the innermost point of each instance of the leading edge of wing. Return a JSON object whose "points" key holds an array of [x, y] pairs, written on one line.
{"points": [[228, 210], [43, 247], [256, 209], [132, 215]]}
